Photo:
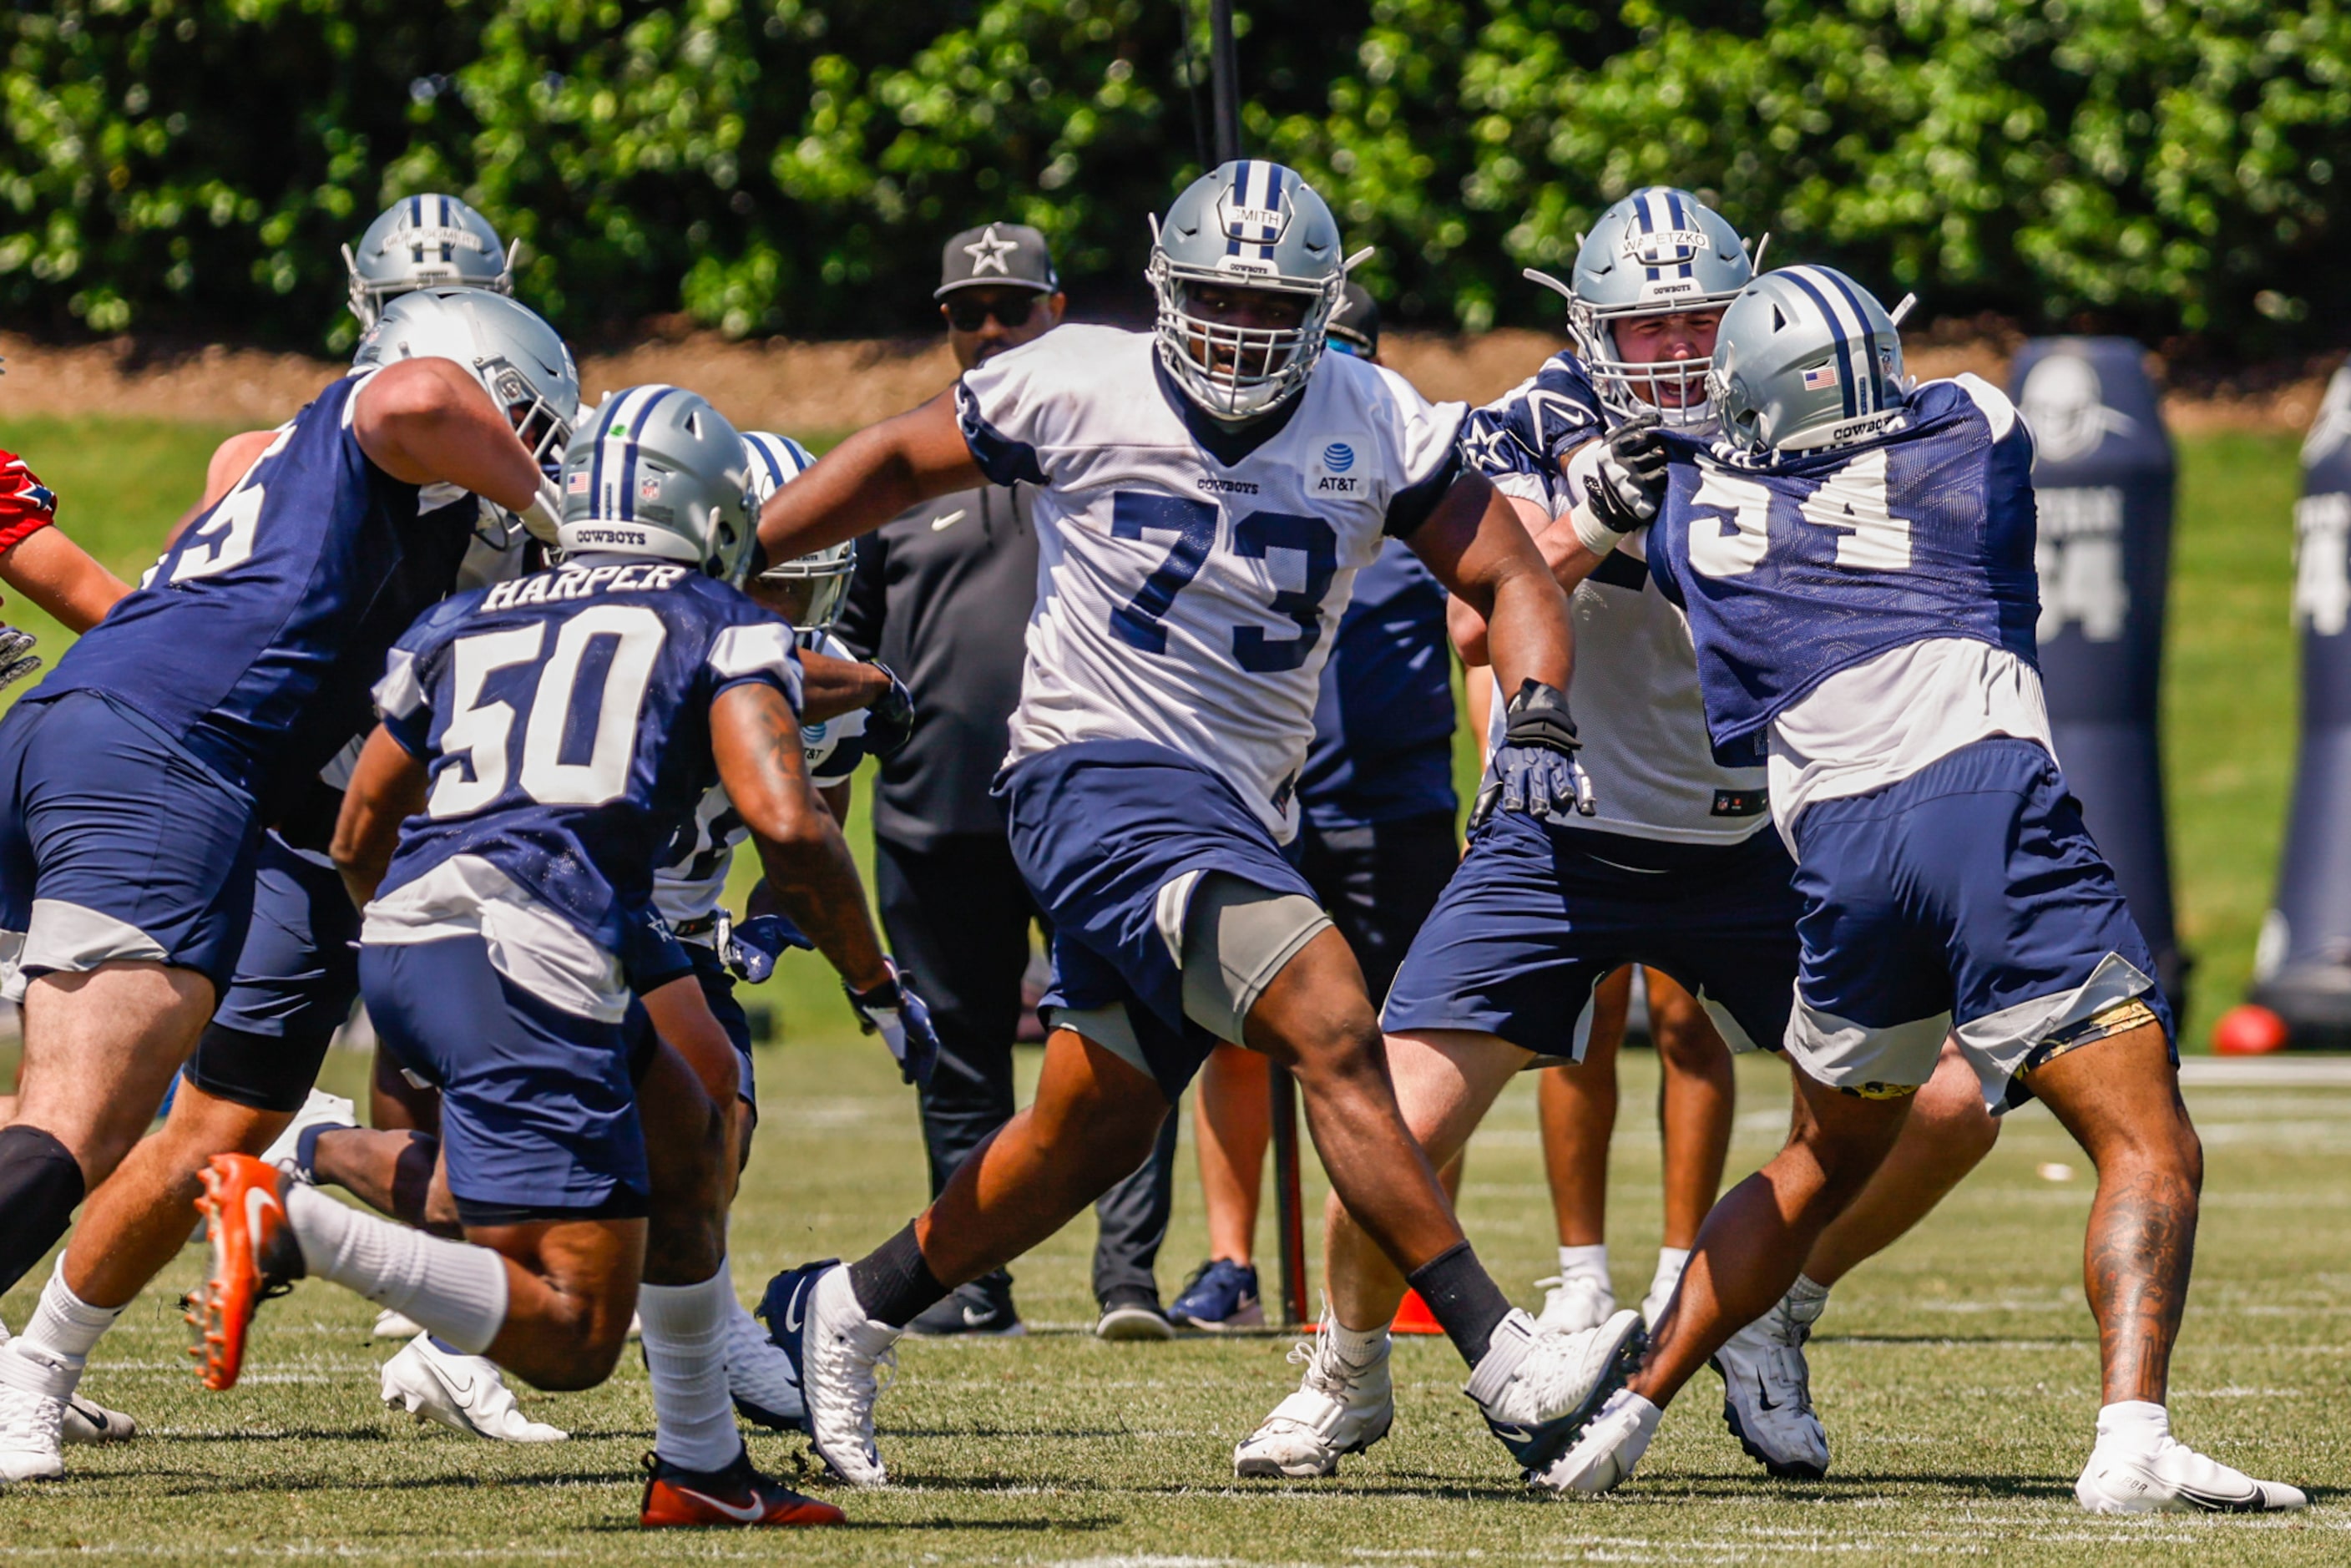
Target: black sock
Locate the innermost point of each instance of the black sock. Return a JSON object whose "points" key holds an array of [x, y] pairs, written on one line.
{"points": [[893, 1283], [1463, 1297], [40, 1186]]}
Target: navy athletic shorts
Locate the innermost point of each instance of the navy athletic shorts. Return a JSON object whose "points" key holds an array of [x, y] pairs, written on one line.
{"points": [[1539, 914], [538, 1113], [296, 977], [116, 843], [1970, 899], [1098, 829]]}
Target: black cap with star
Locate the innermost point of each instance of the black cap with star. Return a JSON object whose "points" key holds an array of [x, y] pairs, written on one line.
{"points": [[1002, 255]]}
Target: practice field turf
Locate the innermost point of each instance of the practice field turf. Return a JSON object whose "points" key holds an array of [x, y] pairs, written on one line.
{"points": [[1956, 1376]]}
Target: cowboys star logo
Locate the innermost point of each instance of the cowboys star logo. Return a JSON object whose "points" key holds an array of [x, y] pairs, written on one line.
{"points": [[988, 253]]}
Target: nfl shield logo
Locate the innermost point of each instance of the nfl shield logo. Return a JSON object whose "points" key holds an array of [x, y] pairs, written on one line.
{"points": [[648, 489]]}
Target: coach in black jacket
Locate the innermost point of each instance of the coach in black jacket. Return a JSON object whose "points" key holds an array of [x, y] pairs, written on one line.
{"points": [[942, 595]]}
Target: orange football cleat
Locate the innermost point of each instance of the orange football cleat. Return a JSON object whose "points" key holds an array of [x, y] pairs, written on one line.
{"points": [[737, 1496], [243, 1218]]}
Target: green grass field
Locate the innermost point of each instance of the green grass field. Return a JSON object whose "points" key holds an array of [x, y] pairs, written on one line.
{"points": [[1957, 1374]]}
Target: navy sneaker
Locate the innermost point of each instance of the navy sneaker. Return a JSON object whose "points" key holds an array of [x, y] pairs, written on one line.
{"points": [[982, 1307], [1221, 1294]]}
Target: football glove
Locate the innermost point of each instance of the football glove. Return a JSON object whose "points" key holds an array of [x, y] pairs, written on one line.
{"points": [[894, 1011], [1624, 494], [1534, 769], [890, 723], [26, 505], [749, 949], [17, 659]]}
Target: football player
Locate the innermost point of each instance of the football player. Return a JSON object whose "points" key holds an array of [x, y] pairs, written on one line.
{"points": [[429, 241], [1855, 560], [1204, 496], [1674, 867], [140, 778], [502, 827]]}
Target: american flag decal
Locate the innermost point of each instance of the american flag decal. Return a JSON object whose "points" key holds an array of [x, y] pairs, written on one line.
{"points": [[1820, 376]]}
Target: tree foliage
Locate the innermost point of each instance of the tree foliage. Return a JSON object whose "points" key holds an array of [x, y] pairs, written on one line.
{"points": [[792, 165]]}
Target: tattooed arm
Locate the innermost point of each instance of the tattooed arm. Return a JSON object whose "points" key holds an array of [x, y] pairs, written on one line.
{"points": [[757, 743]]}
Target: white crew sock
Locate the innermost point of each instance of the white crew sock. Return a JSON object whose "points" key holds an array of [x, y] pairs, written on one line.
{"points": [[1356, 1347], [2134, 1423], [1586, 1262], [64, 1328], [685, 1351], [1806, 1300], [454, 1288], [1671, 1261]]}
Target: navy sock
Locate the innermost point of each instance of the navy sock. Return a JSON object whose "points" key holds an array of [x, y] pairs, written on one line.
{"points": [[40, 1186], [893, 1283], [306, 1148], [1463, 1297]]}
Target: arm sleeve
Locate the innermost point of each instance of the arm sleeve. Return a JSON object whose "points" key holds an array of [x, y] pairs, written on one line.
{"points": [[758, 652], [1005, 406], [1427, 453], [26, 505], [863, 607]]}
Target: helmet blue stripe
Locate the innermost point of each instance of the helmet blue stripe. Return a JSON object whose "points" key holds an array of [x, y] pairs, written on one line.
{"points": [[760, 445], [629, 457], [1868, 349], [1674, 208], [1641, 210], [1802, 277]]}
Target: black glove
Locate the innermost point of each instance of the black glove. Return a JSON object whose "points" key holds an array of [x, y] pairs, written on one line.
{"points": [[892, 1011], [889, 722], [1534, 769], [1623, 495]]}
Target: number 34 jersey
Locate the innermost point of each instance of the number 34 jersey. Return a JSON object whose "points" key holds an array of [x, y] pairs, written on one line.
{"points": [[565, 718], [1189, 578], [1797, 572]]}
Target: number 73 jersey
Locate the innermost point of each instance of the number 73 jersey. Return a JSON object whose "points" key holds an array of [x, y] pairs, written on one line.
{"points": [[1793, 570], [1190, 583], [565, 720]]}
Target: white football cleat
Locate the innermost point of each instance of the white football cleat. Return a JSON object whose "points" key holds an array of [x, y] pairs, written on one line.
{"points": [[320, 1110], [464, 1393], [32, 1395], [88, 1421], [2173, 1478], [813, 1314], [1573, 1305], [1340, 1408], [1537, 1390], [1604, 1455], [1767, 1395], [1662, 1286], [761, 1378], [390, 1324]]}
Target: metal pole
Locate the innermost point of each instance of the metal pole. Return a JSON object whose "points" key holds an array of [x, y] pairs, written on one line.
{"points": [[1225, 79]]}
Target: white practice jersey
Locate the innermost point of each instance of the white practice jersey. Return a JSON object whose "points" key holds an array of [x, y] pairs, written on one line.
{"points": [[1634, 694], [1183, 599], [691, 885]]}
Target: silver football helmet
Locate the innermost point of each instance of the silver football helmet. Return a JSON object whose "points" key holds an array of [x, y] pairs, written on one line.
{"points": [[816, 582], [516, 357], [657, 472], [1658, 252], [426, 242], [1248, 225], [1806, 357]]}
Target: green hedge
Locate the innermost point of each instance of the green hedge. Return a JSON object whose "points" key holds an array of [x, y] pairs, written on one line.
{"points": [[791, 165]]}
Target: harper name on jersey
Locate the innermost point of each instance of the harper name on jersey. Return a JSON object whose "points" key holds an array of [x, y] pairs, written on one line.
{"points": [[565, 718], [1189, 575], [1636, 689]]}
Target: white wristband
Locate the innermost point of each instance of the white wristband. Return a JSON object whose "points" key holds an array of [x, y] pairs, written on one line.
{"points": [[1589, 531]]}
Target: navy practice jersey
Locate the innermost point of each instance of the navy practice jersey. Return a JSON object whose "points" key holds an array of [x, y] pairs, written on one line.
{"points": [[257, 637], [566, 720], [1795, 570], [1383, 746], [1529, 428]]}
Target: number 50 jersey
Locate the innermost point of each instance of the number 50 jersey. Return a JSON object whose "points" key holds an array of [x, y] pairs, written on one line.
{"points": [[565, 721], [1189, 577]]}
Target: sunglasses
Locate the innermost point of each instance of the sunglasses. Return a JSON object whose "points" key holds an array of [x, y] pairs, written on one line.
{"points": [[971, 315]]}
